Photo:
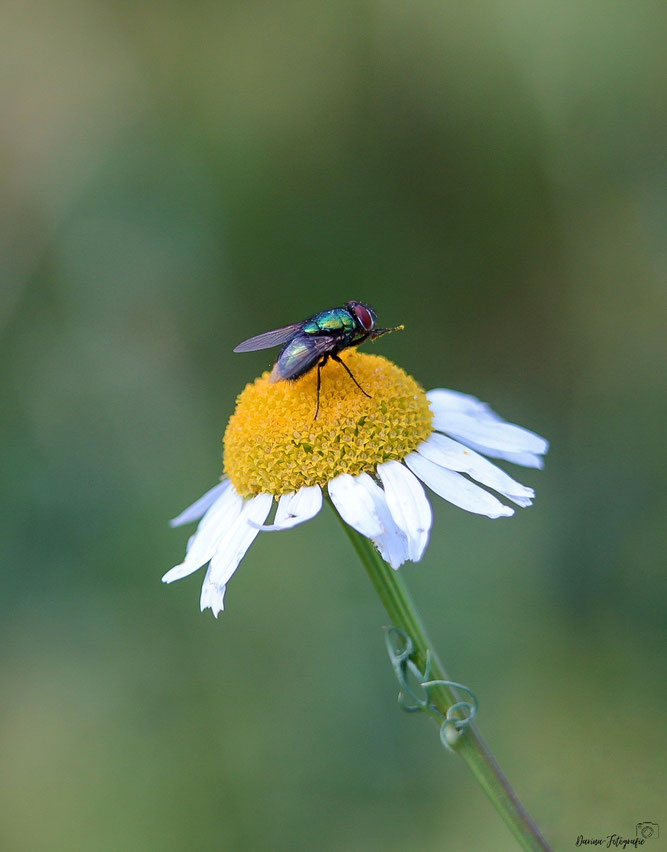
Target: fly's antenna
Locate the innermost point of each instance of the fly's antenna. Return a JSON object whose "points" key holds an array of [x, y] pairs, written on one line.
{"points": [[378, 332]]}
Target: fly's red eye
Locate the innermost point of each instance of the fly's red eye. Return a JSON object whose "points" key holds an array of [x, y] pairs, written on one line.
{"points": [[365, 317]]}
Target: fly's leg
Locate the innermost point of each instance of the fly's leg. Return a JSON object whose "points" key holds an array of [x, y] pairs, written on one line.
{"points": [[349, 372], [319, 383]]}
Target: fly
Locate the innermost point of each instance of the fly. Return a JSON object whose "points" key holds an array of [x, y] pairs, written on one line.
{"points": [[315, 340]]}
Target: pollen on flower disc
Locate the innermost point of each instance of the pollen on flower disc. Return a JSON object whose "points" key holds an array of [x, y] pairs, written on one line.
{"points": [[272, 443]]}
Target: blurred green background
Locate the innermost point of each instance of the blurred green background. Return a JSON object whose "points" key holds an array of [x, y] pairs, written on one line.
{"points": [[177, 177]]}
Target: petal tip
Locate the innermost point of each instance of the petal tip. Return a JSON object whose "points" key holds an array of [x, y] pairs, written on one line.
{"points": [[168, 578], [212, 599]]}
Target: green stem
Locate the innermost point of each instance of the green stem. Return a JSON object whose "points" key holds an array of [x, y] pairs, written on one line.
{"points": [[394, 595]]}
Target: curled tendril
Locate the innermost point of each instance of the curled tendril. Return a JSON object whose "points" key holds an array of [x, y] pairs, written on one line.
{"points": [[416, 687]]}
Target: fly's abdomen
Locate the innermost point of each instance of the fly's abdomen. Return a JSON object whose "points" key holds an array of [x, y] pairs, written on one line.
{"points": [[296, 358]]}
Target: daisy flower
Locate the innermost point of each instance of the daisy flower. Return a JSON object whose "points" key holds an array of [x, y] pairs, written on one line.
{"points": [[372, 455]]}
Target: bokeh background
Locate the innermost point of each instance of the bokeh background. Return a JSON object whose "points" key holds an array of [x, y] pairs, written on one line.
{"points": [[179, 176]]}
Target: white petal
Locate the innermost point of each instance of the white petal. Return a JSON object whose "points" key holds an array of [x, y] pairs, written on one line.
{"points": [[232, 547], [524, 459], [456, 488], [355, 505], [408, 505], [194, 512], [212, 596], [490, 434], [296, 507], [447, 401], [454, 456], [220, 517], [471, 421], [392, 541]]}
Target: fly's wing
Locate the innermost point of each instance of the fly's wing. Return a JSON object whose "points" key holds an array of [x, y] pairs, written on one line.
{"points": [[269, 338], [301, 354]]}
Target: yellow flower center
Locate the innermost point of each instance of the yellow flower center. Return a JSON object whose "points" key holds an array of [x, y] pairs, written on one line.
{"points": [[272, 443]]}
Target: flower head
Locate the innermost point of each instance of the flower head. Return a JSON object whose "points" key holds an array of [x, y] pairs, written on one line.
{"points": [[369, 452]]}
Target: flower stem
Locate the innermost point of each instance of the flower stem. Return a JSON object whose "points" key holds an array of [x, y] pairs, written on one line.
{"points": [[394, 595]]}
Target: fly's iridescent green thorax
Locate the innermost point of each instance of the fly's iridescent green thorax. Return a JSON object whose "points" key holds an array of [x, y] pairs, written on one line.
{"points": [[335, 319]]}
